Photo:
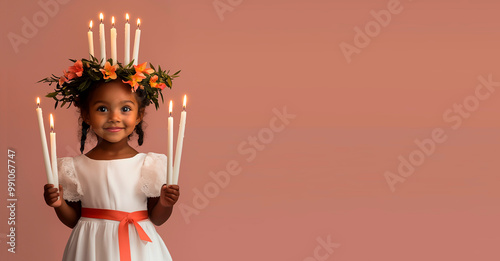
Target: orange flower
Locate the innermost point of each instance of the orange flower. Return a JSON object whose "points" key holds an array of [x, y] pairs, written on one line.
{"points": [[69, 75], [77, 68], [109, 71], [154, 84], [141, 68], [62, 79], [152, 81], [134, 81], [162, 86]]}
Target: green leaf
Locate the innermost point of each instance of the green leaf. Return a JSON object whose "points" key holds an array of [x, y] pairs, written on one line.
{"points": [[52, 94]]}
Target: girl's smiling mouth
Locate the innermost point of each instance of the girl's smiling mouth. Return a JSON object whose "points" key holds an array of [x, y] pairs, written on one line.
{"points": [[114, 129]]}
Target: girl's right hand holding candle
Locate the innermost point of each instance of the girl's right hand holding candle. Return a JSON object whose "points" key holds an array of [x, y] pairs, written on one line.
{"points": [[51, 195], [68, 212]]}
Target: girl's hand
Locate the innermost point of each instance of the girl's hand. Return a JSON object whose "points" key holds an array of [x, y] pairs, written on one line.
{"points": [[50, 194], [169, 195]]}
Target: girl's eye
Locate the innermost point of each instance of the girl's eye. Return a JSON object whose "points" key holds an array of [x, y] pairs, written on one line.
{"points": [[102, 109], [126, 109]]}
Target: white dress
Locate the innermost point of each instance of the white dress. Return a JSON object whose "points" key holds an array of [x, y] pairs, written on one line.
{"points": [[120, 184]]}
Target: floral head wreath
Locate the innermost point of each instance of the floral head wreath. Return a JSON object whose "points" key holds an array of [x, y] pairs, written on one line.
{"points": [[84, 73]]}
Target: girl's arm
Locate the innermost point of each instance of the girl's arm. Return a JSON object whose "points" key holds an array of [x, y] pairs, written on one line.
{"points": [[160, 208], [68, 212]]}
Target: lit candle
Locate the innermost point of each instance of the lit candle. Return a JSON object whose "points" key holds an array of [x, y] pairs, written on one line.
{"points": [[53, 153], [45, 151], [126, 58], [113, 41], [180, 139], [91, 40], [102, 40], [170, 139], [137, 40]]}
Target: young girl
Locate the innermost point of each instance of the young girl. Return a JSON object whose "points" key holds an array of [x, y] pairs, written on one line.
{"points": [[112, 195]]}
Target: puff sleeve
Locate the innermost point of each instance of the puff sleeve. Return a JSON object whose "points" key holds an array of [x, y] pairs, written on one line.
{"points": [[68, 179], [153, 174]]}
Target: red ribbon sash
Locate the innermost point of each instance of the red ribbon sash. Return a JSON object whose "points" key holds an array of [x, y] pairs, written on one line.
{"points": [[125, 218]]}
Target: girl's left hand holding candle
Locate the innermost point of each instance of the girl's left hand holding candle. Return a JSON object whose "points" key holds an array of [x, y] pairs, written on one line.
{"points": [[161, 208], [169, 195]]}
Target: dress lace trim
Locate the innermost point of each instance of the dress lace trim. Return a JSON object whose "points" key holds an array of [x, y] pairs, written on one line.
{"points": [[153, 174], [69, 180]]}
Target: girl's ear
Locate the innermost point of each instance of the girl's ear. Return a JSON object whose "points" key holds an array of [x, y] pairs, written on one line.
{"points": [[139, 118], [85, 118], [140, 115]]}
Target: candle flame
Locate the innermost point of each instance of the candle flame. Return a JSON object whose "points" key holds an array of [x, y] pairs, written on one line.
{"points": [[90, 25], [138, 22], [127, 17], [184, 103], [51, 123], [113, 20], [38, 102], [170, 108], [101, 17]]}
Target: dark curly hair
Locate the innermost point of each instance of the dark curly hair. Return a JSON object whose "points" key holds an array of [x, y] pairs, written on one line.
{"points": [[82, 103]]}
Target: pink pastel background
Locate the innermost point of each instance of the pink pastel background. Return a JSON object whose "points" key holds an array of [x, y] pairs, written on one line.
{"points": [[322, 176]]}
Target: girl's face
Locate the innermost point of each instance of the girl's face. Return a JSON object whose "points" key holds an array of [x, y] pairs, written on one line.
{"points": [[113, 111]]}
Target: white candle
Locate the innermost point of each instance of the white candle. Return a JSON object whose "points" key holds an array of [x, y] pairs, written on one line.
{"points": [[126, 57], [137, 40], [53, 153], [180, 139], [113, 41], [170, 145], [102, 40], [45, 151], [91, 40]]}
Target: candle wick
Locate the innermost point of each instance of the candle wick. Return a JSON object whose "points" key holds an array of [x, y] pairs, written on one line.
{"points": [[170, 114]]}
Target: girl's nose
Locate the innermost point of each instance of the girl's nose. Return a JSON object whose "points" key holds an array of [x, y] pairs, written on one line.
{"points": [[114, 116]]}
